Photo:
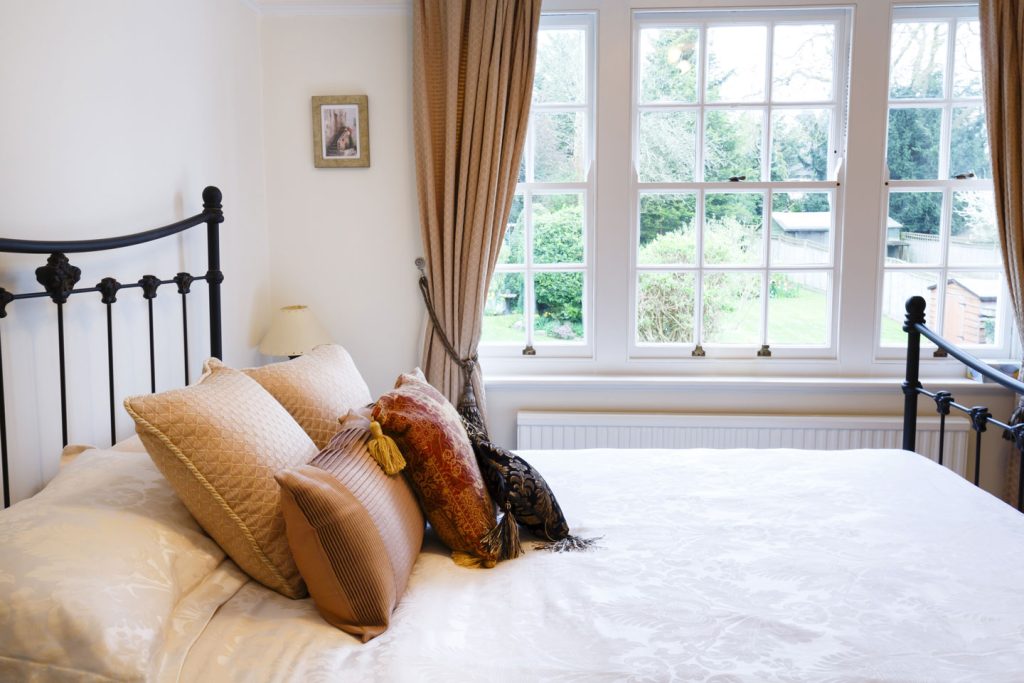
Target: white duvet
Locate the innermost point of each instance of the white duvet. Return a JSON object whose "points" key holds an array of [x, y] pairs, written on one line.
{"points": [[714, 565]]}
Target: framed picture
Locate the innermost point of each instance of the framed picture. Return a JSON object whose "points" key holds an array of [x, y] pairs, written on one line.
{"points": [[341, 131]]}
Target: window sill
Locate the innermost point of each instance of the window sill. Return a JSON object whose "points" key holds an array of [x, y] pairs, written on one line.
{"points": [[747, 383]]}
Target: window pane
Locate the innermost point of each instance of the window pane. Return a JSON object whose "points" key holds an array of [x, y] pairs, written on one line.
{"points": [[967, 59], [918, 63], [974, 238], [512, 244], [736, 63], [665, 306], [732, 308], [668, 146], [912, 151], [559, 313], [912, 229], [899, 286], [558, 228], [800, 144], [503, 312], [969, 150], [970, 315], [802, 62], [798, 309], [667, 232], [801, 228], [561, 71], [733, 228], [558, 147], [669, 59], [732, 144]]}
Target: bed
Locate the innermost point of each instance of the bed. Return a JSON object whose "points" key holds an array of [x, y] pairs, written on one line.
{"points": [[726, 565]]}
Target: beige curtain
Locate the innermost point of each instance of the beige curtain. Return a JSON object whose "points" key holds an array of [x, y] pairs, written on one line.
{"points": [[1002, 33], [473, 68]]}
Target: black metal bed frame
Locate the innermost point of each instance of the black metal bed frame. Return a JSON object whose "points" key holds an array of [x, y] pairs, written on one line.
{"points": [[979, 416], [58, 279]]}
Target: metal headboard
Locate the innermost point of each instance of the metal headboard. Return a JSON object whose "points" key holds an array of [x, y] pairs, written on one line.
{"points": [[58, 279], [979, 416]]}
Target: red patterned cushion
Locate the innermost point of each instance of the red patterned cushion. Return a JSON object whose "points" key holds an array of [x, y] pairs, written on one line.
{"points": [[440, 464]]}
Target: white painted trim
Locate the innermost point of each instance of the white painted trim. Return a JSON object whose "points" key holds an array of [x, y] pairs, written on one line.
{"points": [[328, 8], [747, 384]]}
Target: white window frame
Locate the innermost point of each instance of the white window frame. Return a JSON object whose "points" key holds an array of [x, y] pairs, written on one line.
{"points": [[944, 184], [771, 17], [587, 21]]}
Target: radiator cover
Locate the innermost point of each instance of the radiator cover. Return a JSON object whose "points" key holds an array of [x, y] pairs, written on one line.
{"points": [[571, 430]]}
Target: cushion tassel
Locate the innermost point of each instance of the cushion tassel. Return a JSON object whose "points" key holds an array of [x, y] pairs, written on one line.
{"points": [[467, 560], [385, 451], [503, 540], [569, 544]]}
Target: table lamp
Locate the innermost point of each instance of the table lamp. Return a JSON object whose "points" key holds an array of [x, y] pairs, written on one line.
{"points": [[293, 332]]}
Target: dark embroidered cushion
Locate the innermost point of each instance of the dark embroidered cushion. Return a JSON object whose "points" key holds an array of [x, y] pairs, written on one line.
{"points": [[511, 479]]}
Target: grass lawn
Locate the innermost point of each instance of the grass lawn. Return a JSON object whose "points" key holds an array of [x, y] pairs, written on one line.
{"points": [[798, 319], [498, 329]]}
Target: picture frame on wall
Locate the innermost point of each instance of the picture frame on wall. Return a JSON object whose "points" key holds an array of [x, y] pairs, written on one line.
{"points": [[341, 131]]}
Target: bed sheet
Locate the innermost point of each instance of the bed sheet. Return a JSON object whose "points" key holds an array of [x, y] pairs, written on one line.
{"points": [[742, 565]]}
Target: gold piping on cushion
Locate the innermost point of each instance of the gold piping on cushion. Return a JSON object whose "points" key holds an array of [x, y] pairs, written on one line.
{"points": [[242, 526]]}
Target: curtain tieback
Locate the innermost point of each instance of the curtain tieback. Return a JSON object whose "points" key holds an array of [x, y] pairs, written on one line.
{"points": [[467, 407]]}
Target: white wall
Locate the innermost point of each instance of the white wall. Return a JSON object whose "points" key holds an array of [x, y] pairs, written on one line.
{"points": [[115, 116], [343, 240]]}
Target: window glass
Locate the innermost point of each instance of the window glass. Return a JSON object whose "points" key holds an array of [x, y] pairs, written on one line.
{"points": [[537, 296], [940, 229], [711, 118]]}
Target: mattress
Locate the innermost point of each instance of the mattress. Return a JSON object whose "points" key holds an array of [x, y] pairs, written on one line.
{"points": [[731, 565]]}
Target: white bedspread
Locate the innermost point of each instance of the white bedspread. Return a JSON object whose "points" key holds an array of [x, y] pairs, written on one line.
{"points": [[715, 565]]}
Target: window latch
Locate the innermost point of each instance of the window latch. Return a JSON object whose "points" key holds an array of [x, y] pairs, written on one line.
{"points": [[698, 352], [964, 176], [529, 350], [764, 352], [737, 178]]}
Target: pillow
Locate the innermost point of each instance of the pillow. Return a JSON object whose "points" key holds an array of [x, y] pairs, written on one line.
{"points": [[316, 389], [523, 493], [92, 568], [220, 443], [354, 531], [512, 480], [441, 467]]}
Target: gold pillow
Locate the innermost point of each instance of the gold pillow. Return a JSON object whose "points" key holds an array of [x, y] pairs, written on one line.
{"points": [[316, 389], [220, 443], [355, 533]]}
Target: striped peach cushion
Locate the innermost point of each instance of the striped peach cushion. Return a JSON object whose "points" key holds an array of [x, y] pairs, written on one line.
{"points": [[316, 389], [219, 444], [355, 533]]}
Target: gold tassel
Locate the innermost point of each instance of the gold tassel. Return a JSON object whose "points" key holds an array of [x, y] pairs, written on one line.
{"points": [[466, 560], [385, 451], [503, 540]]}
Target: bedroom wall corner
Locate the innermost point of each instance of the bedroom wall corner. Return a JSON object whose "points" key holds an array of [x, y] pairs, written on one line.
{"points": [[343, 240], [116, 115]]}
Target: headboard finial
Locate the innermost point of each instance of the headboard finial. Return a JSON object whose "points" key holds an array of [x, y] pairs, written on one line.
{"points": [[212, 198], [915, 312]]}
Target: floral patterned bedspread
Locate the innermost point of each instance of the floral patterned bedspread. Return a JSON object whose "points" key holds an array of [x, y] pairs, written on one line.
{"points": [[771, 565]]}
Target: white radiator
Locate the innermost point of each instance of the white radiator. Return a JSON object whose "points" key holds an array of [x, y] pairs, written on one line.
{"points": [[549, 430]]}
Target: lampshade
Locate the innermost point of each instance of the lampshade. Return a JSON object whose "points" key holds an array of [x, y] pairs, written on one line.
{"points": [[293, 332]]}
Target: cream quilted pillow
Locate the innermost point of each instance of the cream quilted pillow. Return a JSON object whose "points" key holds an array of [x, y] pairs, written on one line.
{"points": [[316, 389], [220, 443]]}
